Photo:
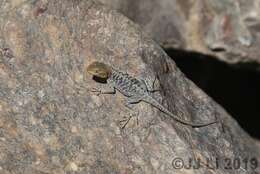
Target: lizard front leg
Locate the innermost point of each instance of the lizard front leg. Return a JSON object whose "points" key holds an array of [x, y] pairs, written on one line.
{"points": [[106, 90]]}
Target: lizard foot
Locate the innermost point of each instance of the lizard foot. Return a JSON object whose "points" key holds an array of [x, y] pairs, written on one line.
{"points": [[123, 123], [96, 91]]}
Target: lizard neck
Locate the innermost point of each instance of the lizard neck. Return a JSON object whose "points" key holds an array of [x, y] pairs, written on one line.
{"points": [[112, 73]]}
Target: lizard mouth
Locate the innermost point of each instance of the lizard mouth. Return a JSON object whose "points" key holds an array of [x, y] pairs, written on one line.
{"points": [[99, 79]]}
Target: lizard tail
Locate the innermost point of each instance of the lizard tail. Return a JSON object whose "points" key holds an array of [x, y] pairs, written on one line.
{"points": [[155, 103]]}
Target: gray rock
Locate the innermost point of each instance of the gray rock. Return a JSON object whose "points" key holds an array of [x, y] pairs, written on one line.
{"points": [[50, 121], [227, 29]]}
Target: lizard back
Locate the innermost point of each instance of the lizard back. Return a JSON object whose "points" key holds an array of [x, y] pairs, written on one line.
{"points": [[126, 84]]}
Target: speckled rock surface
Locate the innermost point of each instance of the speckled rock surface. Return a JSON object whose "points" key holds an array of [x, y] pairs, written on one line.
{"points": [[50, 121], [227, 29]]}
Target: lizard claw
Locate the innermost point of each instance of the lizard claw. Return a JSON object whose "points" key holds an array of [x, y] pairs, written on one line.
{"points": [[96, 91], [124, 122]]}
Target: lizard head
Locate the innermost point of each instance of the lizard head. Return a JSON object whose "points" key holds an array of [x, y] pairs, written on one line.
{"points": [[99, 69]]}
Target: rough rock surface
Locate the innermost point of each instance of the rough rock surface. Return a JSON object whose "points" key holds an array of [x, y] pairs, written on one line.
{"points": [[227, 29], [50, 122]]}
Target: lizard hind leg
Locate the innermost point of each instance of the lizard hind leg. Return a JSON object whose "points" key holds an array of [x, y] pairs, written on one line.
{"points": [[129, 103], [149, 88], [152, 90]]}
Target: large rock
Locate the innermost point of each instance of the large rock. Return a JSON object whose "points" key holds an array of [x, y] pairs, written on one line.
{"points": [[227, 29], [51, 122]]}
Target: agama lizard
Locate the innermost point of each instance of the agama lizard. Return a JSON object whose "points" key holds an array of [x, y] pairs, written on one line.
{"points": [[134, 89]]}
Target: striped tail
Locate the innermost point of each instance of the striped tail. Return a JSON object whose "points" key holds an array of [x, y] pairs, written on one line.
{"points": [[155, 103]]}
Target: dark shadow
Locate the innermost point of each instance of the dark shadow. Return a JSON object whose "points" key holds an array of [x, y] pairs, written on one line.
{"points": [[236, 88]]}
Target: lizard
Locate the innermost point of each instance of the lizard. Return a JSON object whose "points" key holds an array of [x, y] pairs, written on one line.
{"points": [[133, 88]]}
